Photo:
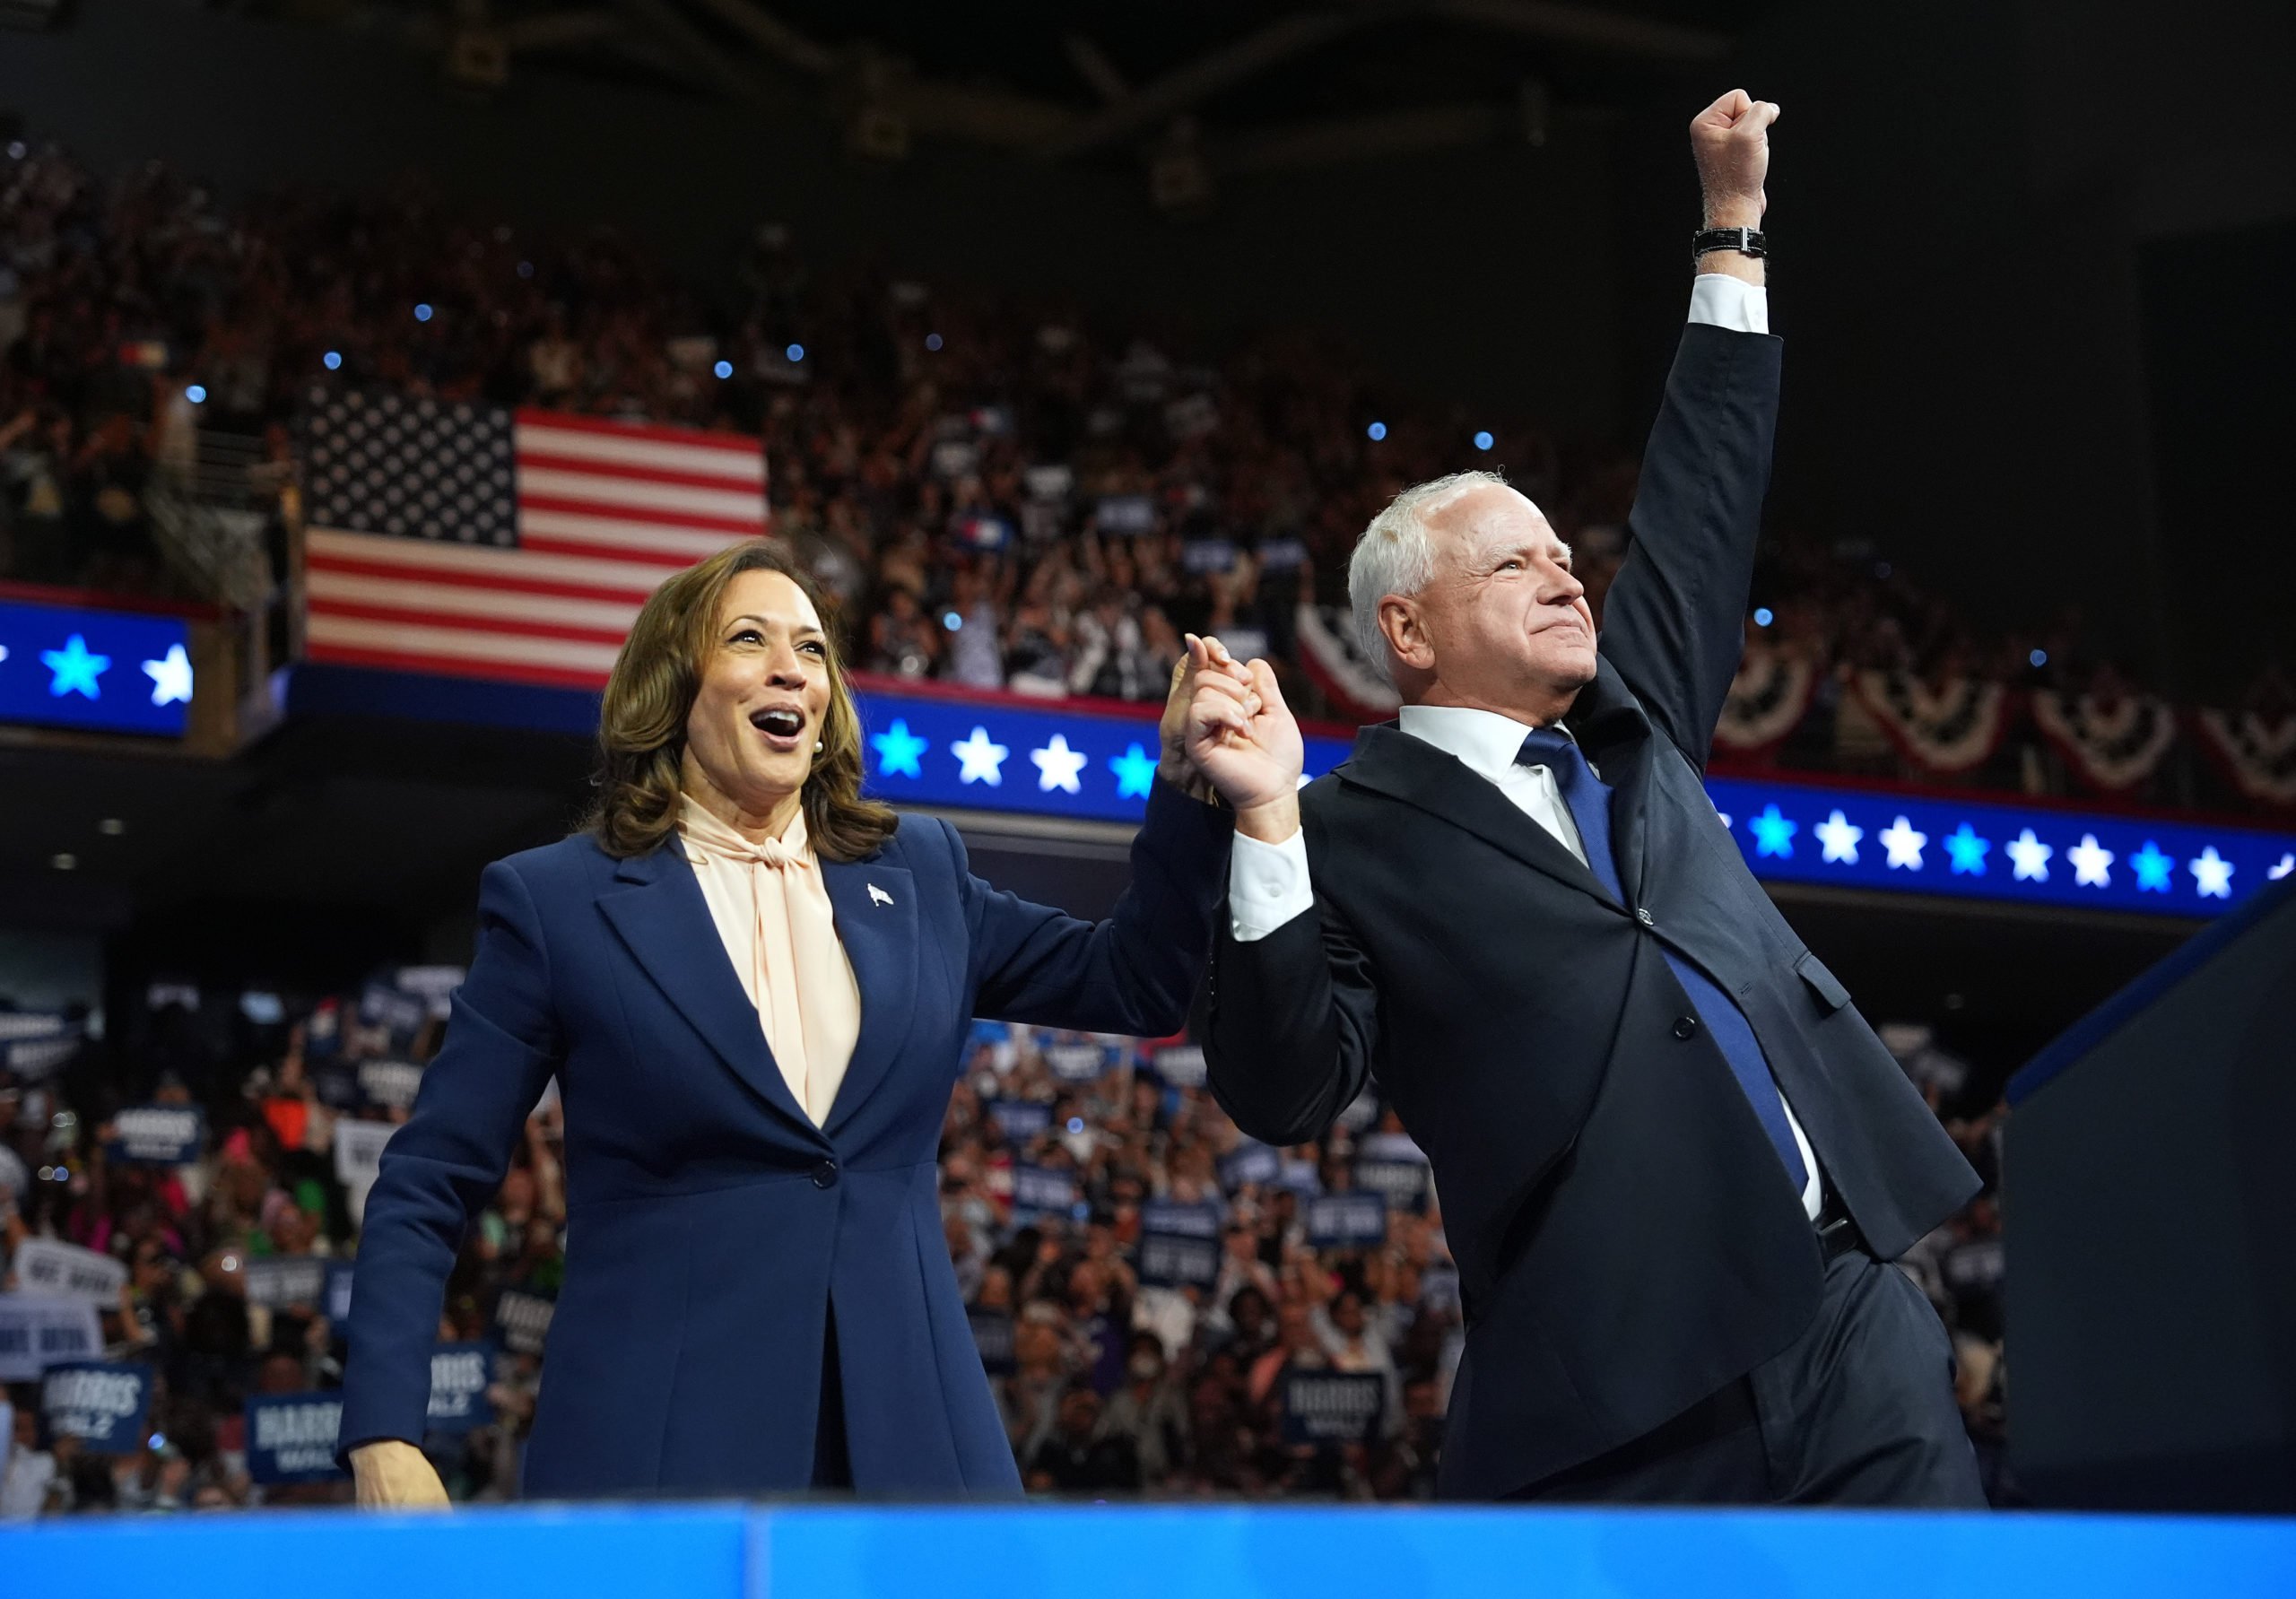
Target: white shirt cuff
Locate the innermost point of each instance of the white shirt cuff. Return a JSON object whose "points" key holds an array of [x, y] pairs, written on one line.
{"points": [[1268, 885], [1721, 300]]}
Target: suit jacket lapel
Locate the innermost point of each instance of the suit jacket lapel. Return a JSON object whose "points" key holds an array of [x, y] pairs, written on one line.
{"points": [[875, 907], [1411, 769], [659, 914]]}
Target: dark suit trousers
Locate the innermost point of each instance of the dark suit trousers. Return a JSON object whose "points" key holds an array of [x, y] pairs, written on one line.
{"points": [[1859, 1410]]}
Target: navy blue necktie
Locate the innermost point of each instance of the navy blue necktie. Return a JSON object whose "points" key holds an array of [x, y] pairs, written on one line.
{"points": [[1589, 799]]}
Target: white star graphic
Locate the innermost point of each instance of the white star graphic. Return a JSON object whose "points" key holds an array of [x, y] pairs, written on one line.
{"points": [[2031, 857], [2212, 874], [983, 761], [1903, 843], [2287, 865], [1840, 838], [1057, 766], [2091, 862], [170, 677]]}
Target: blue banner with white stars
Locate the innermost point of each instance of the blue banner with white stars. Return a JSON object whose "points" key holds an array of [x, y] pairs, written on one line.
{"points": [[102, 671], [1059, 762], [999, 754]]}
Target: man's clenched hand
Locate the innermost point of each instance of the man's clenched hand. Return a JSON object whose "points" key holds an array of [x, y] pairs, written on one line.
{"points": [[1730, 142]]}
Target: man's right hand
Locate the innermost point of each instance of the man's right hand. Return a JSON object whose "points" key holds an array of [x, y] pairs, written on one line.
{"points": [[1241, 737], [395, 1475]]}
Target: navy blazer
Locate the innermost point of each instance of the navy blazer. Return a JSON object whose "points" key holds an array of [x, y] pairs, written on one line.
{"points": [[710, 1224]]}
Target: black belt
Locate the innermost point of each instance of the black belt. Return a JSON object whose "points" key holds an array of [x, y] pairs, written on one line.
{"points": [[1837, 1233]]}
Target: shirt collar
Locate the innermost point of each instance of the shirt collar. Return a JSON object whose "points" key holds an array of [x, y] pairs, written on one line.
{"points": [[1485, 741], [703, 830]]}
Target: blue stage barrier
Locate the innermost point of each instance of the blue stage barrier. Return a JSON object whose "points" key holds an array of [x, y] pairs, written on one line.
{"points": [[1222, 1552]]}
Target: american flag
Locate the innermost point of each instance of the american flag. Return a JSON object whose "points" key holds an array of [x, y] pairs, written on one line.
{"points": [[478, 541]]}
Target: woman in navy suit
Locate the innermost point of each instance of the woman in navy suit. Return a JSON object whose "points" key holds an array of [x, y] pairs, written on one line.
{"points": [[757, 1295]]}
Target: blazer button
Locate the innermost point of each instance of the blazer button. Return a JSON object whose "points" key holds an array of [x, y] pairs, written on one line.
{"points": [[825, 1175], [1685, 1027], [1645, 918]]}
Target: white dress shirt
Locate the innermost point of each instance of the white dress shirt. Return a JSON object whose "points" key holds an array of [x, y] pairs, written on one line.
{"points": [[1268, 883]]}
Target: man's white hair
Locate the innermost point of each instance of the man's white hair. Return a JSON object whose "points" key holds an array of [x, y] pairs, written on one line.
{"points": [[1395, 556]]}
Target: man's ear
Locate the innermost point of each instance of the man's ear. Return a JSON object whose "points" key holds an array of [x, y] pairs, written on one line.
{"points": [[1405, 632]]}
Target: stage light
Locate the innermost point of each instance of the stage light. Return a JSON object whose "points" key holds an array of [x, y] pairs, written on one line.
{"points": [[1483, 441], [1076, 1123], [331, 360], [526, 269], [952, 620], [195, 395], [796, 353], [1764, 616], [15, 150], [933, 341], [111, 827], [422, 313], [64, 862], [724, 369], [2040, 658], [1377, 431]]}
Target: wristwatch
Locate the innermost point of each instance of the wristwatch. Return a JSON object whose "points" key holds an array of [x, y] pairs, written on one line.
{"points": [[1746, 242]]}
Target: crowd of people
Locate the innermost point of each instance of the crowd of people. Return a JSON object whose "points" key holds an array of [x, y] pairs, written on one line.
{"points": [[1027, 498], [1147, 1286]]}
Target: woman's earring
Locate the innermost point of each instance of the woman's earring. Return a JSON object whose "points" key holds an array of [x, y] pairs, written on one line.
{"points": [[817, 746]]}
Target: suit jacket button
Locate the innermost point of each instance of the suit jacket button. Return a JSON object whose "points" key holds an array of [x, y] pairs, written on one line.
{"points": [[825, 1175], [1645, 918], [1685, 1027]]}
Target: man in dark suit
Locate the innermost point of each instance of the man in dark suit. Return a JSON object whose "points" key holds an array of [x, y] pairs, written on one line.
{"points": [[1672, 1158]]}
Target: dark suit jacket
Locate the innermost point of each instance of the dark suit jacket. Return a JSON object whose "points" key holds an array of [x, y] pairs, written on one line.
{"points": [[1627, 1242], [710, 1224]]}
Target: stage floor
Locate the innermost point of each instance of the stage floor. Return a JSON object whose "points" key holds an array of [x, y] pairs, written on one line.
{"points": [[731, 1551]]}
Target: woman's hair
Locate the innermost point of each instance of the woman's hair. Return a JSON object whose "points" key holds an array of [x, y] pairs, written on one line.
{"points": [[641, 725]]}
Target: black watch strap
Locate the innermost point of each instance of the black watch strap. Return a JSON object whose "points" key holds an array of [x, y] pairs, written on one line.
{"points": [[1746, 242]]}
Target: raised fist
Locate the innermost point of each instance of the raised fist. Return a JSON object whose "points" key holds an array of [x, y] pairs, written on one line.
{"points": [[1730, 142]]}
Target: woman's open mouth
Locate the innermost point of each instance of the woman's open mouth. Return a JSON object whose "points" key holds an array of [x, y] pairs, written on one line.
{"points": [[784, 727]]}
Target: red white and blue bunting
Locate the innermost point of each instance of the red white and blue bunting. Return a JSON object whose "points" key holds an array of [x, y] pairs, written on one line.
{"points": [[1951, 728], [2256, 752], [1767, 699], [1354, 686], [2112, 746]]}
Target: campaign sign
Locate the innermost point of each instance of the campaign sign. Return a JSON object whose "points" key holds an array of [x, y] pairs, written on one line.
{"points": [[1332, 1407], [384, 1006], [1403, 1182], [1177, 1259], [335, 1303], [291, 1436], [1078, 1063], [1352, 1221], [158, 1135], [992, 1331], [389, 1084], [1042, 1189], [1188, 1220], [277, 1281], [35, 1043], [335, 1081], [37, 1331], [1020, 1120], [1181, 1065], [1250, 1161], [103, 1404], [523, 1320], [458, 1377], [67, 1270]]}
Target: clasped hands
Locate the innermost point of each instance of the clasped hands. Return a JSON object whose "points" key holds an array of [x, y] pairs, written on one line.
{"points": [[1227, 730]]}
